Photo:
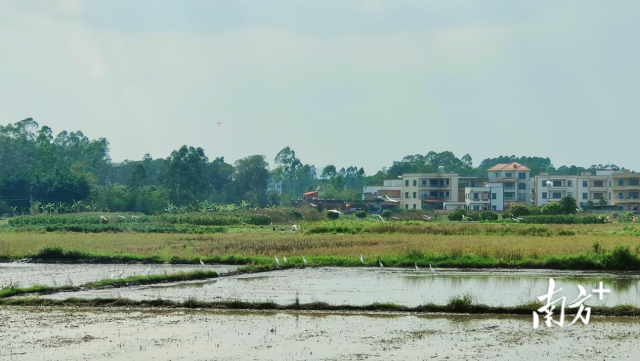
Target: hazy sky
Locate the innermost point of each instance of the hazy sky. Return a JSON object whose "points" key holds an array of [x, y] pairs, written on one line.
{"points": [[345, 82]]}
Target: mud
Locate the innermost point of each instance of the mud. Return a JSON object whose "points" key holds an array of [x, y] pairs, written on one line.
{"points": [[61, 334]]}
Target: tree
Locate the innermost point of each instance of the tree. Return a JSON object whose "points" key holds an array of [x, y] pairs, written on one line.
{"points": [[587, 206], [568, 205], [602, 201], [185, 175], [519, 210], [553, 208], [250, 179]]}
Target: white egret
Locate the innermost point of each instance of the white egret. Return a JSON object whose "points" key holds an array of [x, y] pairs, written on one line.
{"points": [[304, 260], [277, 261], [334, 211], [431, 269], [380, 262], [69, 281], [361, 259], [201, 263], [417, 268], [382, 219], [294, 227], [148, 271], [284, 259], [55, 283], [113, 276]]}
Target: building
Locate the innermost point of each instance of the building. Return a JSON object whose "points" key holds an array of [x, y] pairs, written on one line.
{"points": [[515, 181], [626, 191], [387, 196], [583, 188], [429, 190], [489, 197]]}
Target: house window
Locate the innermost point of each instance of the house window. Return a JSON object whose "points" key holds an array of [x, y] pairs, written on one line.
{"points": [[415, 194], [415, 182], [406, 194], [424, 182], [585, 195], [522, 175], [621, 182], [544, 195], [633, 195], [569, 183], [522, 186], [476, 208], [494, 195], [598, 183], [585, 183], [433, 182], [446, 194], [414, 206], [621, 208], [634, 182], [556, 195], [597, 195], [406, 206], [423, 195], [508, 175], [406, 183], [620, 195], [557, 183], [493, 208], [544, 182], [476, 196]]}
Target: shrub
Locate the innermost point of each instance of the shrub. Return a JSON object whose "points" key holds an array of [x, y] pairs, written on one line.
{"points": [[563, 219], [507, 215], [552, 209], [489, 216], [457, 214], [295, 214], [361, 214], [332, 215], [568, 205], [387, 213], [534, 211], [519, 210]]}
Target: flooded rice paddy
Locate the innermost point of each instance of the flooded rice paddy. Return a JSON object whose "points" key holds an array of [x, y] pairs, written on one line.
{"points": [[62, 334], [29, 274], [364, 286]]}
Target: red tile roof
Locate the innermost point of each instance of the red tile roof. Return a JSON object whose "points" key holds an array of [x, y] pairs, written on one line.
{"points": [[509, 166]]}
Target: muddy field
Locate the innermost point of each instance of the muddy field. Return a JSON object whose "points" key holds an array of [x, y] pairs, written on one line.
{"points": [[60, 334], [363, 286]]}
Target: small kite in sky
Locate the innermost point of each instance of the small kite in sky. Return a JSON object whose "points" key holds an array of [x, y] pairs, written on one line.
{"points": [[219, 123]]}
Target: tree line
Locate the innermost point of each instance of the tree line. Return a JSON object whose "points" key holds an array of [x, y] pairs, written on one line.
{"points": [[70, 172]]}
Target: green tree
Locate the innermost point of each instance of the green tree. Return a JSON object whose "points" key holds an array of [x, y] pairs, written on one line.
{"points": [[185, 175], [251, 177], [568, 205], [602, 201]]}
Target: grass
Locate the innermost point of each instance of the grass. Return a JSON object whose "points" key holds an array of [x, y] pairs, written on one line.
{"points": [[451, 307]]}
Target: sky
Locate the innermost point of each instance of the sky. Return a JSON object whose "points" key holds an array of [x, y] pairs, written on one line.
{"points": [[359, 82]]}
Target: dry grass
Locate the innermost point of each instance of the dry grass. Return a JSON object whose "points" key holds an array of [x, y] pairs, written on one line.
{"points": [[16, 245]]}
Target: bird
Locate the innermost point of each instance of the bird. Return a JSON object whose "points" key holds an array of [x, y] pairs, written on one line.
{"points": [[382, 219], [69, 281], [417, 269], [464, 217], [201, 263], [334, 211], [396, 218], [380, 262], [294, 227], [431, 269], [121, 274], [577, 209], [148, 271], [134, 218], [53, 280], [361, 259], [113, 276], [122, 217], [277, 261], [284, 259], [304, 260]]}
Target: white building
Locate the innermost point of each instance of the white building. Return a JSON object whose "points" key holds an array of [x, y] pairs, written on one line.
{"points": [[429, 190], [487, 198], [515, 181], [583, 188]]}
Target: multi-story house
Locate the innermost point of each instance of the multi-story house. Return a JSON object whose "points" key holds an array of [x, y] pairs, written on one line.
{"points": [[583, 188], [515, 181], [626, 191], [489, 197], [429, 190]]}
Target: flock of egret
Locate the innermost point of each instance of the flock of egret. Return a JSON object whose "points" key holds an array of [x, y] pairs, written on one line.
{"points": [[304, 260]]}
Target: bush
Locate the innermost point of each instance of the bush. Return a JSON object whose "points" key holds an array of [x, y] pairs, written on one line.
{"points": [[519, 210], [534, 211], [361, 214], [489, 216], [387, 213], [563, 219], [457, 214], [295, 214], [552, 209], [332, 215], [507, 215], [568, 205]]}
